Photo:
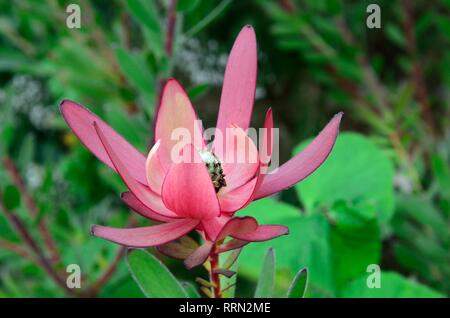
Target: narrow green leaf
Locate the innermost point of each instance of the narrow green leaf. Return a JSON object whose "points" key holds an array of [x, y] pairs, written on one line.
{"points": [[207, 292], [229, 283], [176, 250], [441, 171], [214, 13], [136, 72], [197, 91], [187, 5], [153, 277], [395, 34], [231, 259], [7, 134], [299, 284], [204, 282], [11, 196], [145, 13], [266, 283], [26, 151]]}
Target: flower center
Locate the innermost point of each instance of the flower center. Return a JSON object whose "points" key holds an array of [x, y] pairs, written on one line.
{"points": [[214, 169]]}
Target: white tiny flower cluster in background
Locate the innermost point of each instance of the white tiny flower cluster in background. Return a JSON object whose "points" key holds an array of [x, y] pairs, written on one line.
{"points": [[202, 64], [28, 98]]}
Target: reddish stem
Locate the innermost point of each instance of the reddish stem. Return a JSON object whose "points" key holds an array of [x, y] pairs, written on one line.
{"points": [[418, 77], [287, 5], [14, 173], [19, 250], [170, 28], [214, 276], [28, 239]]}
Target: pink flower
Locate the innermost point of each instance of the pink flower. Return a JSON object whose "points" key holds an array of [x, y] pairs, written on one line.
{"points": [[203, 193]]}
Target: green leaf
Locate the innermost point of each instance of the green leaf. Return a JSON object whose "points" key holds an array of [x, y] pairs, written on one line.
{"points": [[153, 277], [213, 14], [145, 12], [26, 151], [11, 197], [393, 285], [299, 284], [269, 210], [131, 127], [7, 135], [229, 260], [136, 71], [411, 259], [121, 284], [355, 171], [421, 211], [187, 5], [307, 245], [395, 34], [197, 91], [441, 171], [266, 283], [191, 290], [422, 239], [348, 69], [355, 241], [12, 60]]}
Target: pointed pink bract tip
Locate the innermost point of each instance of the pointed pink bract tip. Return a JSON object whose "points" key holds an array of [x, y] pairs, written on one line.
{"points": [[248, 31], [63, 102], [338, 118], [93, 229]]}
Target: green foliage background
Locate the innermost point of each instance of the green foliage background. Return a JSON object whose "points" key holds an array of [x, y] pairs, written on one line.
{"points": [[382, 197]]}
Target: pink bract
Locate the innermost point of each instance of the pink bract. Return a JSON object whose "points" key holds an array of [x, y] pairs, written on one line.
{"points": [[182, 195]]}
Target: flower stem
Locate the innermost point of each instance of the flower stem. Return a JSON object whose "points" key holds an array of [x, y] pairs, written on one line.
{"points": [[214, 276]]}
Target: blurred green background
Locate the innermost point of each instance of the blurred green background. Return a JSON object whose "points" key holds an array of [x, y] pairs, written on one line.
{"points": [[382, 197]]}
